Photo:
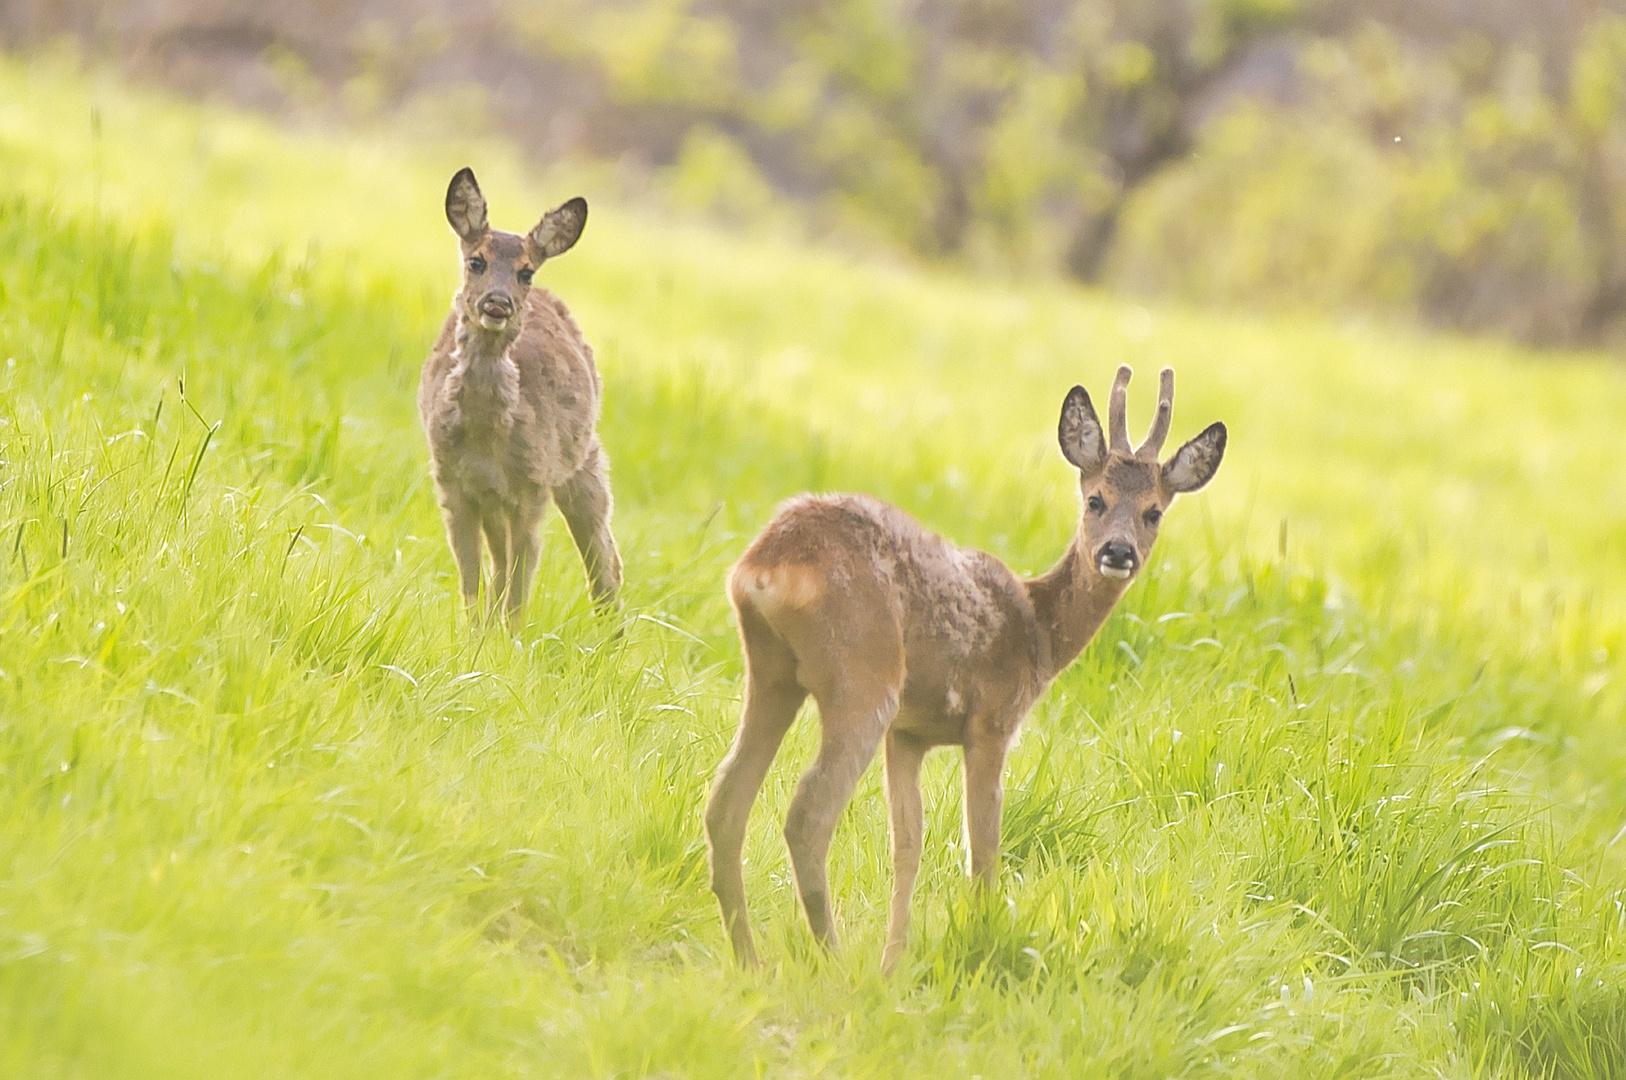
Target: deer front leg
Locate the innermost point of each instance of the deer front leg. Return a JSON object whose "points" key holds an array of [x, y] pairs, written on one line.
{"points": [[585, 504], [852, 726], [463, 533], [984, 803], [904, 756]]}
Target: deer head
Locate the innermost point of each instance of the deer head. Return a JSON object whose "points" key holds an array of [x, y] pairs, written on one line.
{"points": [[497, 265], [1126, 491]]}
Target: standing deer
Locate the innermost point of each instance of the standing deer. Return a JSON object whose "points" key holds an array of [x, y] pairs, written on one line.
{"points": [[509, 398], [904, 638]]}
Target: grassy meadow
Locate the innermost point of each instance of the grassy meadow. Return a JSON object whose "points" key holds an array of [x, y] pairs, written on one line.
{"points": [[1335, 793]]}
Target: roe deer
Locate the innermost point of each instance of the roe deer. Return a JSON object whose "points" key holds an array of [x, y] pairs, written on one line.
{"points": [[901, 636], [509, 399]]}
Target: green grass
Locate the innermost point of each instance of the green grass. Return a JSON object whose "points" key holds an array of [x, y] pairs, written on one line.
{"points": [[1333, 794]]}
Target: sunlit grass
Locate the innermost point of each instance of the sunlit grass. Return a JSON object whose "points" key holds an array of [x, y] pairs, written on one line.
{"points": [[1332, 795]]}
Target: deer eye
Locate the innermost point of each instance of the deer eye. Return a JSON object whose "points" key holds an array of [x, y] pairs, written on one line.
{"points": [[477, 265], [525, 276], [1097, 504], [1153, 516]]}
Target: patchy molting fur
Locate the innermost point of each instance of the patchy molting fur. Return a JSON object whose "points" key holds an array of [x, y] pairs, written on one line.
{"points": [[948, 612]]}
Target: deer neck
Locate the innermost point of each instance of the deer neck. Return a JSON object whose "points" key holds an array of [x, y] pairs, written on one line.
{"points": [[480, 361], [1070, 602]]}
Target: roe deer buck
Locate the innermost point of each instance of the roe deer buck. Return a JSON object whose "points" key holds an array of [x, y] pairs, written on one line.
{"points": [[903, 637], [509, 399]]}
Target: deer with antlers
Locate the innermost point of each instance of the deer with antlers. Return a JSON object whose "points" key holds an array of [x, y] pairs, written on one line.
{"points": [[904, 639]]}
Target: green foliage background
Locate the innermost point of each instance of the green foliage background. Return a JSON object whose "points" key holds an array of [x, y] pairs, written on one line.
{"points": [[1456, 164], [1337, 791], [1464, 164]]}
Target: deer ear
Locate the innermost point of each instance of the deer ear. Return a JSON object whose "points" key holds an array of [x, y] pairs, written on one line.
{"points": [[559, 229], [466, 208], [1080, 435], [1195, 463]]}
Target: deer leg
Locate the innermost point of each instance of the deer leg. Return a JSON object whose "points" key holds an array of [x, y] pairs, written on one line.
{"points": [[769, 712], [463, 533], [526, 549], [852, 725], [984, 803], [904, 756], [495, 524], [585, 504]]}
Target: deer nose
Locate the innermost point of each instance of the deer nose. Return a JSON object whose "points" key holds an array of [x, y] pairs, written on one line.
{"points": [[1117, 560], [497, 306]]}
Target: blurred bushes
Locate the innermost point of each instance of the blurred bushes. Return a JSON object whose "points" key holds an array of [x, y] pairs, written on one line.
{"points": [[1478, 196], [1462, 163], [1271, 208]]}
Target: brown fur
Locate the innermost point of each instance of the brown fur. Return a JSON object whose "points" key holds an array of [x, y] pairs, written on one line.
{"points": [[510, 411], [909, 642]]}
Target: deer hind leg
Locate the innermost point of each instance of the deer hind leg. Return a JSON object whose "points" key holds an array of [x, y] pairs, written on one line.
{"points": [[984, 806], [495, 525], [525, 550], [904, 756], [772, 698], [463, 533], [853, 721], [585, 504]]}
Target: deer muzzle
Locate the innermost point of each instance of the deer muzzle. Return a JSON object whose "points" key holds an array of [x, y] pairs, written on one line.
{"points": [[495, 311], [1117, 561]]}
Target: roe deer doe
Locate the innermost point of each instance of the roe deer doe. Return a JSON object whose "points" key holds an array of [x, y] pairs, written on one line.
{"points": [[509, 399], [901, 636]]}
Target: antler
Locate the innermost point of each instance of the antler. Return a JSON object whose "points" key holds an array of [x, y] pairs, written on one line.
{"points": [[1115, 410], [1160, 420]]}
